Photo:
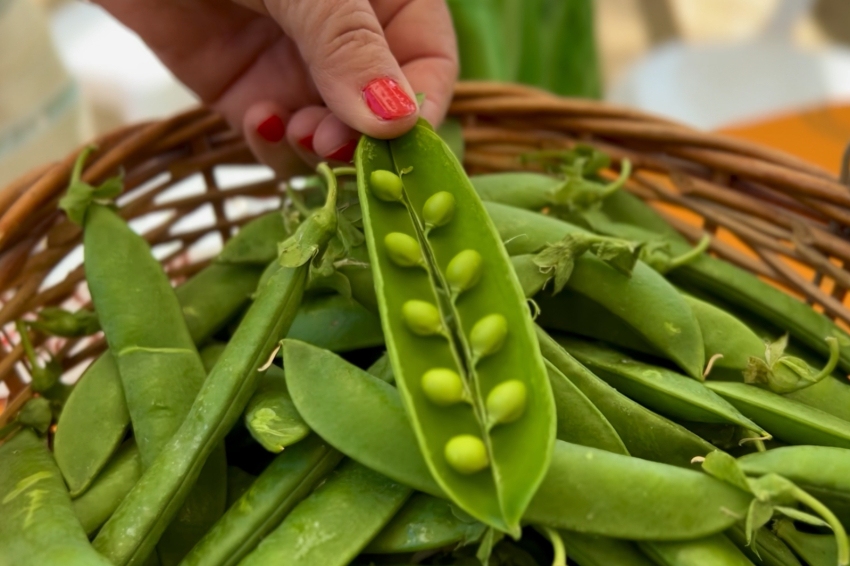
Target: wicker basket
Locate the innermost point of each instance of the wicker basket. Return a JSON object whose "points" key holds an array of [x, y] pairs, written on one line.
{"points": [[768, 212]]}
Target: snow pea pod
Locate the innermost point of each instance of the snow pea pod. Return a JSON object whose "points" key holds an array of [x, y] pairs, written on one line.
{"points": [[579, 421], [645, 434], [716, 550], [104, 495], [132, 531], [786, 419], [335, 522], [425, 522], [336, 323], [160, 368], [585, 489], [95, 417], [588, 550], [37, 524], [519, 189], [655, 387], [819, 470], [463, 313], [282, 485], [270, 416], [727, 281], [816, 550], [672, 329]]}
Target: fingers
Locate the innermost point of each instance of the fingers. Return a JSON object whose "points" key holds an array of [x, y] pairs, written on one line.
{"points": [[350, 62], [264, 126]]}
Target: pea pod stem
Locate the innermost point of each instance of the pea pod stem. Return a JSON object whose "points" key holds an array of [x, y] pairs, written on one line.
{"points": [[560, 558], [828, 516], [691, 255]]}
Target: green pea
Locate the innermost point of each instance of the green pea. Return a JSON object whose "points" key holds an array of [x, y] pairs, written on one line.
{"points": [[422, 317], [404, 250], [438, 210], [464, 271], [443, 386], [386, 185], [466, 454], [506, 402], [488, 335]]}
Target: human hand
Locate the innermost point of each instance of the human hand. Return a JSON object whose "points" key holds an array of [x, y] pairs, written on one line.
{"points": [[312, 73]]}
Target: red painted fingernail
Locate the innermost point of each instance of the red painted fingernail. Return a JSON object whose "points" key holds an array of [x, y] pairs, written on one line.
{"points": [[306, 142], [387, 100], [272, 129], [344, 153]]}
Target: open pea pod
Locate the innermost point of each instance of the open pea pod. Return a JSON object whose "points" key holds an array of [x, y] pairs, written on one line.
{"points": [[457, 328]]}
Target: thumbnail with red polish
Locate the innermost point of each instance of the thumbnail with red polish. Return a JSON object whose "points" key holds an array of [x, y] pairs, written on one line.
{"points": [[386, 99]]}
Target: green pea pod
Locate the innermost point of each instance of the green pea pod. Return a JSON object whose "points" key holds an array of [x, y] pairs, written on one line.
{"points": [[336, 323], [95, 417], [729, 282], [771, 550], [671, 329], [271, 417], [658, 388], [95, 506], [786, 419], [579, 421], [819, 470], [238, 482], [645, 434], [816, 550], [588, 550], [521, 189], [132, 531], [160, 368], [37, 524], [585, 489], [335, 522], [256, 243], [425, 523], [282, 485], [715, 550], [470, 319]]}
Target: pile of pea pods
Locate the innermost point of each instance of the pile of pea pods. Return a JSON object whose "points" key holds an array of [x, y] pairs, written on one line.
{"points": [[407, 365]]}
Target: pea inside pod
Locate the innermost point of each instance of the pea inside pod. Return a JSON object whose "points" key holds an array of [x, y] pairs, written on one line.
{"points": [[464, 313]]}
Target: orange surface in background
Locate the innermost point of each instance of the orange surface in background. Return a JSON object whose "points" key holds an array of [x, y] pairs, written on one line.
{"points": [[818, 135]]}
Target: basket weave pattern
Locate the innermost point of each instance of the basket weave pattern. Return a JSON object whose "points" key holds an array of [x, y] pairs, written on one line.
{"points": [[768, 212]]}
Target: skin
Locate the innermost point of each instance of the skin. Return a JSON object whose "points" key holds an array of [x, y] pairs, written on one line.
{"points": [[306, 62]]}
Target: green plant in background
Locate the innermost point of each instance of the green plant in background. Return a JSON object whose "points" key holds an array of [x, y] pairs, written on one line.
{"points": [[549, 44]]}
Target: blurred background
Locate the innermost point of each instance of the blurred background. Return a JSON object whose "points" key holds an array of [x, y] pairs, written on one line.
{"points": [[68, 71]]}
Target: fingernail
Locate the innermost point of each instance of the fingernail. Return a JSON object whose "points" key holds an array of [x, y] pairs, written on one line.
{"points": [[306, 142], [344, 153], [272, 129], [386, 99]]}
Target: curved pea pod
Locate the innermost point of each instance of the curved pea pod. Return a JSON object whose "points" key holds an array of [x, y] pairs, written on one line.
{"points": [[94, 418], [335, 522], [101, 499], [585, 489], [477, 325], [770, 548], [37, 524], [731, 283], [715, 550], [424, 523], [658, 388], [786, 419], [819, 470], [588, 550], [644, 433], [671, 330], [579, 421], [96, 404], [270, 416], [160, 368], [520, 189], [282, 485], [816, 550], [336, 323]]}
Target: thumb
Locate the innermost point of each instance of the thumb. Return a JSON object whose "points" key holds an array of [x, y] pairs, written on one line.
{"points": [[351, 64]]}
